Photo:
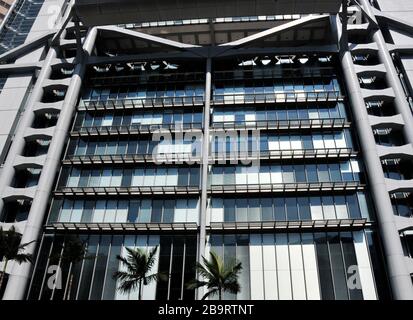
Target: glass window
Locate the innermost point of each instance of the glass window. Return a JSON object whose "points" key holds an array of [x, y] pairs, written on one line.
{"points": [[105, 178], [353, 206], [84, 178], [264, 175], [335, 172], [350, 259], [132, 147], [322, 170], [346, 171], [304, 208], [267, 210], [183, 177], [81, 148], [149, 178], [77, 211], [111, 148], [337, 267], [253, 175], [94, 178], [122, 145], [172, 177], [145, 211], [100, 268], [133, 211], [242, 209], [316, 208], [254, 212], [194, 176], [122, 211], [229, 210], [180, 211], [323, 259], [160, 178], [127, 178], [279, 206], [88, 268], [364, 208], [99, 213], [328, 208], [91, 148], [101, 148], [168, 214], [74, 177], [300, 173], [116, 178], [110, 214], [341, 207], [288, 174], [292, 210], [88, 211], [66, 211], [193, 210], [157, 210]]}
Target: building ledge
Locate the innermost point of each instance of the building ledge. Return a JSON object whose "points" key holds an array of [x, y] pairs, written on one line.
{"points": [[11, 193], [403, 223], [286, 187], [126, 191], [133, 129], [288, 225], [337, 123], [293, 97], [333, 153], [172, 158], [399, 152], [395, 122], [185, 158], [399, 185], [122, 227], [141, 103]]}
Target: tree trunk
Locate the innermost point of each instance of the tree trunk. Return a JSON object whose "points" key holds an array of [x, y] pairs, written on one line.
{"points": [[140, 290], [219, 293], [3, 274]]}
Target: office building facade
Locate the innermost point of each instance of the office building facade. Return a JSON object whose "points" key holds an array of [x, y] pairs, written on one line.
{"points": [[280, 137]]}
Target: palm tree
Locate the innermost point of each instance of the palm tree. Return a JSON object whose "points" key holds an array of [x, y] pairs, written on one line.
{"points": [[138, 266], [74, 252], [12, 250], [219, 277]]}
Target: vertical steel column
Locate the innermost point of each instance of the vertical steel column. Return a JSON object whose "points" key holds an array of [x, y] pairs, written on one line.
{"points": [[401, 104], [205, 164], [399, 276], [18, 142], [20, 276]]}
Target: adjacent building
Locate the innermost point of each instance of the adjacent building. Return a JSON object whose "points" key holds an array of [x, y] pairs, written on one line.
{"points": [[278, 135]]}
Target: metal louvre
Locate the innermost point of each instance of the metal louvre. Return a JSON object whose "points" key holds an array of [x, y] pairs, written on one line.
{"points": [[99, 12]]}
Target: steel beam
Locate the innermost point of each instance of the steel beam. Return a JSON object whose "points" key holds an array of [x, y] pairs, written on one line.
{"points": [[399, 276], [204, 167], [401, 103], [20, 276]]}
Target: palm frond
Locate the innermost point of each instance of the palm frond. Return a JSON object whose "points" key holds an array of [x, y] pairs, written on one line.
{"points": [[23, 257], [195, 284], [210, 293], [217, 276], [138, 264]]}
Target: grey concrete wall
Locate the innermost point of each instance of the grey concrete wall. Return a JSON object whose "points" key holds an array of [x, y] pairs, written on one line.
{"points": [[15, 89], [401, 10]]}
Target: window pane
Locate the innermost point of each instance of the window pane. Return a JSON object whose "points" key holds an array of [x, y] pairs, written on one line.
{"points": [[267, 211], [280, 209], [292, 211]]}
